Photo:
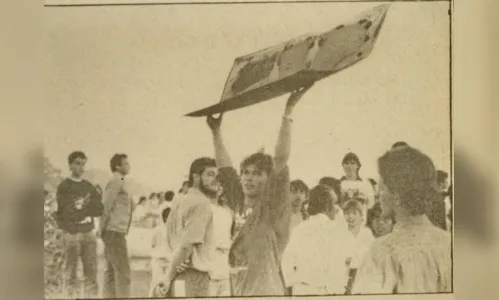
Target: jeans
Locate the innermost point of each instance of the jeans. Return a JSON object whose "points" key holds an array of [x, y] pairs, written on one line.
{"points": [[117, 272], [220, 288], [84, 246], [190, 283]]}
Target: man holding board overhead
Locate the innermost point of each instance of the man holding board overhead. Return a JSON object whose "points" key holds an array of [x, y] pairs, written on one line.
{"points": [[262, 188]]}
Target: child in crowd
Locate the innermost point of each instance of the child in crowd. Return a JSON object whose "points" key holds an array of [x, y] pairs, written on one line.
{"points": [[363, 237], [380, 225]]}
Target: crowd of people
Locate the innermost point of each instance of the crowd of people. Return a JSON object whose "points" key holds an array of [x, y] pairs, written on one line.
{"points": [[254, 232]]}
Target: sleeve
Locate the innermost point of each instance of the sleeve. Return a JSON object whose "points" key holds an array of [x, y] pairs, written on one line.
{"points": [[110, 196], [376, 275], [61, 206], [95, 207], [197, 220], [232, 188], [289, 259], [278, 205], [369, 192]]}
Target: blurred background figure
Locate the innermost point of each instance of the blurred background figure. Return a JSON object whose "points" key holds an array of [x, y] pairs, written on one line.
{"points": [[154, 204], [374, 184], [298, 196], [436, 207], [362, 237], [160, 256], [185, 188], [169, 195], [142, 215], [445, 190], [353, 186]]}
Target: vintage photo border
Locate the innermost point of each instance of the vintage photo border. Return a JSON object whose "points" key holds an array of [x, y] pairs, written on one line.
{"points": [[54, 4]]}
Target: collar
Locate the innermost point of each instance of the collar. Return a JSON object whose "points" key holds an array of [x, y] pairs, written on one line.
{"points": [[417, 220], [344, 178], [75, 179], [118, 176], [320, 217], [196, 191]]}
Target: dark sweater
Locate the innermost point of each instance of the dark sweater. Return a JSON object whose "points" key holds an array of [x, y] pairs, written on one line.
{"points": [[78, 202]]}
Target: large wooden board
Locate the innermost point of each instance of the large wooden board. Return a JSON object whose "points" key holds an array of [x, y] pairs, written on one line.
{"points": [[278, 70]]}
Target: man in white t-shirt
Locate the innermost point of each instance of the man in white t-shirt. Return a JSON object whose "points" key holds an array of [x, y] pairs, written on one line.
{"points": [[315, 259]]}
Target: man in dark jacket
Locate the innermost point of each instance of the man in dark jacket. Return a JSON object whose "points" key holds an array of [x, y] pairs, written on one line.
{"points": [[78, 202]]}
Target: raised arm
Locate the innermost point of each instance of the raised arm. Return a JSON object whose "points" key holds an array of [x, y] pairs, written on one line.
{"points": [[221, 154], [227, 174], [283, 145]]}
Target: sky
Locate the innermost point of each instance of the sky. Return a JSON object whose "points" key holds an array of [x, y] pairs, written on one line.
{"points": [[120, 79]]}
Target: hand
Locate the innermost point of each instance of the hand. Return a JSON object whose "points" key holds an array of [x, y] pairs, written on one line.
{"points": [[214, 123], [362, 196], [295, 97], [161, 289], [183, 266], [348, 262]]}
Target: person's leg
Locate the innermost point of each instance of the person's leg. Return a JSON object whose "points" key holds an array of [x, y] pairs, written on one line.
{"points": [[214, 287], [109, 285], [224, 290], [121, 264], [156, 270], [199, 284], [70, 264], [89, 259], [351, 279], [191, 283]]}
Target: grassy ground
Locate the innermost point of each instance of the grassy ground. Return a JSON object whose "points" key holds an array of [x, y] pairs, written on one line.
{"points": [[140, 270], [141, 276]]}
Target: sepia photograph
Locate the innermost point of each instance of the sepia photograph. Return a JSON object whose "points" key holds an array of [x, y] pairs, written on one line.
{"points": [[247, 149]]}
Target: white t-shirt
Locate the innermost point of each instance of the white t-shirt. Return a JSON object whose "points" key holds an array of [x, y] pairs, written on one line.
{"points": [[222, 223], [352, 187], [316, 255], [363, 187], [362, 243]]}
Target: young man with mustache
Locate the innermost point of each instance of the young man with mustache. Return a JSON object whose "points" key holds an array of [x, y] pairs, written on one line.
{"points": [[262, 190]]}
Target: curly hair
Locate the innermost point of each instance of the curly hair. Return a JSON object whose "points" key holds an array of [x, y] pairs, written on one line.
{"points": [[411, 174], [320, 200], [263, 162]]}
